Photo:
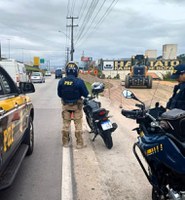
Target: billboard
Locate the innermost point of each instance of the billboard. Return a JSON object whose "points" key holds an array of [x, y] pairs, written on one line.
{"points": [[108, 65], [42, 60], [86, 59], [36, 61]]}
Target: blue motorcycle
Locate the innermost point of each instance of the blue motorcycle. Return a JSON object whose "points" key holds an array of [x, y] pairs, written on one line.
{"points": [[161, 141]]}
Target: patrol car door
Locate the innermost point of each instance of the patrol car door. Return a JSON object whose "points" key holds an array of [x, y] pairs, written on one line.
{"points": [[11, 111]]}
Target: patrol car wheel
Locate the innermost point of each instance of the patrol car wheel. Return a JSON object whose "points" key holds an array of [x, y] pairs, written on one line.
{"points": [[29, 137]]}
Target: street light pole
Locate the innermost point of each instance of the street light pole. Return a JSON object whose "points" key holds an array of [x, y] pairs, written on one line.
{"points": [[22, 55], [9, 47], [67, 49], [64, 34]]}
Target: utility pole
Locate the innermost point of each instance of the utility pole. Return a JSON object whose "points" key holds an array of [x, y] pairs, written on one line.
{"points": [[72, 26]]}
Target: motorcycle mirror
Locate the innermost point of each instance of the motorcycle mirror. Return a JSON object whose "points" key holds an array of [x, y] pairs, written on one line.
{"points": [[128, 94]]}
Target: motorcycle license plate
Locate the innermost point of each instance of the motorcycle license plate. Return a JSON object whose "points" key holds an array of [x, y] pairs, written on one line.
{"points": [[106, 125]]}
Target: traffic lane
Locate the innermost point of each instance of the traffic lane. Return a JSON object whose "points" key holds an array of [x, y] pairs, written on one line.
{"points": [[40, 174]]}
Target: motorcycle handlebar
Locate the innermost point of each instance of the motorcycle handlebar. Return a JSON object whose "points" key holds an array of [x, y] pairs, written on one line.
{"points": [[134, 114]]}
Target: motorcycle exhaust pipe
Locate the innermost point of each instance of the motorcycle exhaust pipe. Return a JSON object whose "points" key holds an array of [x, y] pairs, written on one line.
{"points": [[183, 195], [173, 195]]}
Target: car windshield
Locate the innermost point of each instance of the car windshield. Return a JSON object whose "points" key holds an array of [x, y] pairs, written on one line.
{"points": [[36, 74], [58, 70]]}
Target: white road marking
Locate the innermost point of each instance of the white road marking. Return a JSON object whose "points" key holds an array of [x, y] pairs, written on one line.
{"points": [[66, 186]]}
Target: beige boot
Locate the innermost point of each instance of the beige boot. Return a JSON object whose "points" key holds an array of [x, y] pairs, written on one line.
{"points": [[79, 140], [65, 138]]}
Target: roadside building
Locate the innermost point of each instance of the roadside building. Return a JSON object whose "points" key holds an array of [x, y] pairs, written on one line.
{"points": [[169, 51], [151, 53]]}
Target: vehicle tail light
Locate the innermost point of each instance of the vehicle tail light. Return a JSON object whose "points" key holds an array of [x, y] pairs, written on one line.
{"points": [[103, 112], [105, 119]]}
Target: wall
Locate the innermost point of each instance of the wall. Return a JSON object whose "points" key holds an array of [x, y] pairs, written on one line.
{"points": [[122, 74]]}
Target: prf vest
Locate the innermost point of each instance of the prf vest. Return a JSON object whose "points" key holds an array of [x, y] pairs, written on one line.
{"points": [[69, 90]]}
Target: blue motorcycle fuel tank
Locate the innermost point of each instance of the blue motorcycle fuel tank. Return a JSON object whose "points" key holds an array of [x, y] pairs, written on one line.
{"points": [[161, 148]]}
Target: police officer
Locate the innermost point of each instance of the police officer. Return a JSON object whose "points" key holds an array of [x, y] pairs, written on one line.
{"points": [[178, 98], [70, 90]]}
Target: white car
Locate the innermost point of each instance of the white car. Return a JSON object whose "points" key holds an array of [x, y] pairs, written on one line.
{"points": [[37, 77], [47, 73]]}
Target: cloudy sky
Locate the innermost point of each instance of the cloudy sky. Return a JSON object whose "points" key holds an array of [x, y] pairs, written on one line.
{"points": [[108, 29]]}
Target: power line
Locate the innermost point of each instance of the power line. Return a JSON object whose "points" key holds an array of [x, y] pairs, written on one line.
{"points": [[73, 7], [109, 9], [87, 18], [96, 15], [68, 4], [81, 8]]}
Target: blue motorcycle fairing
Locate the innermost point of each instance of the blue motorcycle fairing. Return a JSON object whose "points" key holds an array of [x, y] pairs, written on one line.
{"points": [[161, 148]]}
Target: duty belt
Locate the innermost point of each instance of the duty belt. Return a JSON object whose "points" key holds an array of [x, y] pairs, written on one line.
{"points": [[71, 104]]}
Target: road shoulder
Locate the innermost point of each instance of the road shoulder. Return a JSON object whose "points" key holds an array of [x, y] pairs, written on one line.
{"points": [[88, 175]]}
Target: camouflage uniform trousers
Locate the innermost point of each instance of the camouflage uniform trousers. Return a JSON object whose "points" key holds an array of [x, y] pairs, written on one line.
{"points": [[72, 112]]}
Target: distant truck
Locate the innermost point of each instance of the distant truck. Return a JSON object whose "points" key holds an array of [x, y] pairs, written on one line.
{"points": [[58, 73], [16, 70], [138, 73]]}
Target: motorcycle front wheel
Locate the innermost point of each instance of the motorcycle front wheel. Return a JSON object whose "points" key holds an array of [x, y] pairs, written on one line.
{"points": [[89, 123], [107, 138], [156, 195]]}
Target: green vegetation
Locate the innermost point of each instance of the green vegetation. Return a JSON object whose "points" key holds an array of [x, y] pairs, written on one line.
{"points": [[166, 77], [30, 69], [181, 58], [88, 85]]}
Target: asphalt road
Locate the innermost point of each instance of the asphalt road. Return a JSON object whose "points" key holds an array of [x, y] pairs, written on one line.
{"points": [[40, 175]]}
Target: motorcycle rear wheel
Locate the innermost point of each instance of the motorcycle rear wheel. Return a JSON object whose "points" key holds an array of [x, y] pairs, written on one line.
{"points": [[107, 138]]}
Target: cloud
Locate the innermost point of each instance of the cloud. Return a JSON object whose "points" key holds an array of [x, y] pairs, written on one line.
{"points": [[131, 27]]}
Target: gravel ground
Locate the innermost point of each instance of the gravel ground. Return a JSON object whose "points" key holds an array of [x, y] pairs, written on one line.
{"points": [[114, 174]]}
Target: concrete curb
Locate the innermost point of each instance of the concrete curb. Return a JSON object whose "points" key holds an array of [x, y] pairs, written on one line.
{"points": [[67, 185]]}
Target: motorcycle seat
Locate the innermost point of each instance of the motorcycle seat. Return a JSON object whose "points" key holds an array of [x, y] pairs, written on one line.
{"points": [[176, 120], [173, 114], [93, 105]]}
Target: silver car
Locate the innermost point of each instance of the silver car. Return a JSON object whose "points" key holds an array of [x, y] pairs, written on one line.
{"points": [[37, 77]]}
